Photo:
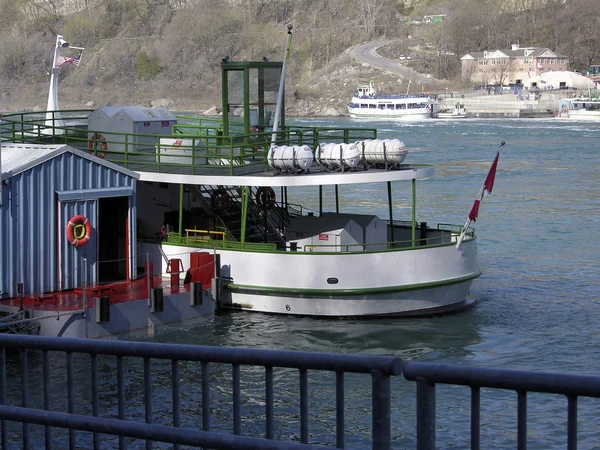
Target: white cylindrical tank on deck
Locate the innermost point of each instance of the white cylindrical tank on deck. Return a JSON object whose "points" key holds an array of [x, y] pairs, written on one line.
{"points": [[290, 157], [336, 156], [382, 151]]}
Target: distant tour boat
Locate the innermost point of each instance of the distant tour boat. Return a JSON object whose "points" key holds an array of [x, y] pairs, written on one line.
{"points": [[459, 112], [367, 103]]}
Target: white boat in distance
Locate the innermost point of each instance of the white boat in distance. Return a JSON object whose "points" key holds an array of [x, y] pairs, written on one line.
{"points": [[459, 112], [367, 103], [581, 108]]}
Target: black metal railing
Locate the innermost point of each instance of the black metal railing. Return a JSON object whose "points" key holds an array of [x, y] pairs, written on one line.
{"points": [[427, 375], [35, 393], [37, 408]]}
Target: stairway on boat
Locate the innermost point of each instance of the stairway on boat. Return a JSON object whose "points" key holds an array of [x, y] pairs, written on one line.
{"points": [[264, 224]]}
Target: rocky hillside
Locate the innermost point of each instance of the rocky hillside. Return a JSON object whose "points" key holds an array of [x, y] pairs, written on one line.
{"points": [[325, 93]]}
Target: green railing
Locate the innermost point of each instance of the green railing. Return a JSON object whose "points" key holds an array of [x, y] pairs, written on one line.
{"points": [[175, 239], [448, 236], [196, 145], [449, 232]]}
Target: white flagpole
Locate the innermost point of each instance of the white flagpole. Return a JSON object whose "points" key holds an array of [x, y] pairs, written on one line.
{"points": [[478, 198], [468, 222], [278, 107], [54, 119]]}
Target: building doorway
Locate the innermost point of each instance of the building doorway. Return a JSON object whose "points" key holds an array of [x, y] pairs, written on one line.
{"points": [[113, 240]]}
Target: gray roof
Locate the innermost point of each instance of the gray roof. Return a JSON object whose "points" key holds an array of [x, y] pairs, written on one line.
{"points": [[518, 53], [315, 224], [17, 158], [137, 113], [362, 219]]}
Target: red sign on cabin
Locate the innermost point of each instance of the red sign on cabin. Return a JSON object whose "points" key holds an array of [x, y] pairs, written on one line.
{"points": [[146, 124], [323, 237], [165, 123]]}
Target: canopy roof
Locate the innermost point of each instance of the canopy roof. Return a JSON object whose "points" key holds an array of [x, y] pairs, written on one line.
{"points": [[562, 79]]}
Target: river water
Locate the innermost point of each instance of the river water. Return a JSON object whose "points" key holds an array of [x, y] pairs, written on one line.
{"points": [[538, 300]]}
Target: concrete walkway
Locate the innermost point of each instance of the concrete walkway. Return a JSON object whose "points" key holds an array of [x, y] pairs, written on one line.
{"points": [[505, 105]]}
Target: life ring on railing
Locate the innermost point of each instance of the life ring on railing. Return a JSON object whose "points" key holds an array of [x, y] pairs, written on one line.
{"points": [[265, 197], [97, 142], [79, 231], [220, 201]]}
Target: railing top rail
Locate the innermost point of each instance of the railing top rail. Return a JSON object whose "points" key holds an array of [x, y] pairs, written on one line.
{"points": [[518, 380], [386, 365]]}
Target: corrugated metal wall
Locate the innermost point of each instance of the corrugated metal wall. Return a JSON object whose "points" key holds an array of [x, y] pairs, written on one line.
{"points": [[29, 221], [70, 258]]}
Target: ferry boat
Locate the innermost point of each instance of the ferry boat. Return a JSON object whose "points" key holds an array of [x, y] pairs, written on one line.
{"points": [[367, 103], [228, 188], [459, 112], [581, 108]]}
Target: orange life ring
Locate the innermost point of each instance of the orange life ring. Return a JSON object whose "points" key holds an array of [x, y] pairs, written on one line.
{"points": [[79, 231], [265, 197], [220, 201], [97, 142]]}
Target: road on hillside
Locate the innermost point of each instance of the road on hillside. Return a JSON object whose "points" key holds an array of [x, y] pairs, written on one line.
{"points": [[367, 54]]}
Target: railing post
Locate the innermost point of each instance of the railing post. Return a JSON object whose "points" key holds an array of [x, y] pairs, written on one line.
{"points": [[84, 285], [522, 420], [149, 277], [381, 404], [425, 414], [475, 418], [572, 423]]}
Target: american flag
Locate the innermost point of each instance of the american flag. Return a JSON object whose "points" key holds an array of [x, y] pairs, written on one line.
{"points": [[69, 60]]}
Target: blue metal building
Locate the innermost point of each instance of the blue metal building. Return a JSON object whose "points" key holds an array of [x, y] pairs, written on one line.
{"points": [[43, 188]]}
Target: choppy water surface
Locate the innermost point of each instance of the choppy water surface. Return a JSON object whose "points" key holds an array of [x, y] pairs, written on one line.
{"points": [[538, 302], [538, 299]]}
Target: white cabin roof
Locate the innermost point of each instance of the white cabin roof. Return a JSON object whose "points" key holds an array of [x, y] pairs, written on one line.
{"points": [[314, 178]]}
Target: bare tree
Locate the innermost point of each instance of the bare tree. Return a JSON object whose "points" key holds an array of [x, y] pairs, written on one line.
{"points": [[501, 71]]}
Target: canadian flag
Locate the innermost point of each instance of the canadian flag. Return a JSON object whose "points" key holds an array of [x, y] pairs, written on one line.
{"points": [[539, 65], [486, 189]]}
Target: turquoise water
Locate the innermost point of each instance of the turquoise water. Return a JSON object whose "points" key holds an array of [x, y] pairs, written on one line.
{"points": [[537, 301]]}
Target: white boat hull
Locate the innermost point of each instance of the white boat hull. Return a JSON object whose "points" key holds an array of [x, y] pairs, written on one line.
{"points": [[451, 116], [421, 302], [412, 115], [418, 281], [583, 115]]}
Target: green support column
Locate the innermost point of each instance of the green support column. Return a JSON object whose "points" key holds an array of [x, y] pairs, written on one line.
{"points": [[225, 100], [414, 210], [245, 197], [246, 101], [390, 207], [337, 200], [181, 190], [320, 200]]}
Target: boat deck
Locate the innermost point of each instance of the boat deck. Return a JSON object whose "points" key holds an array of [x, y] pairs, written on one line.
{"points": [[121, 292]]}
